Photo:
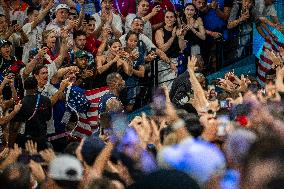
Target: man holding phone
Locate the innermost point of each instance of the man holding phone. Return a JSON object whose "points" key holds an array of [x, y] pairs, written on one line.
{"points": [[86, 76]]}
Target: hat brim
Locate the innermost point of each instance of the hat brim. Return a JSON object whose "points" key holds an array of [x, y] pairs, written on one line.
{"points": [[8, 42], [85, 56]]}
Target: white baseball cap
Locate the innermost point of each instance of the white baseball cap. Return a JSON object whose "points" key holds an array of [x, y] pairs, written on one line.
{"points": [[62, 6], [66, 167]]}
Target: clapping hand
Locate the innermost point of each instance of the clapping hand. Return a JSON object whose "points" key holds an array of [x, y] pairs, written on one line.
{"points": [[87, 73], [245, 16], [276, 59], [134, 55]]}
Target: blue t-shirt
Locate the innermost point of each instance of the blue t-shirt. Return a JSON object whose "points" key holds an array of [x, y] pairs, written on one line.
{"points": [[90, 7], [103, 101], [212, 21]]}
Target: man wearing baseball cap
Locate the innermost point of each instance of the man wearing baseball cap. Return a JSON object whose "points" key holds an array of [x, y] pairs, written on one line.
{"points": [[5, 55], [60, 22], [65, 171], [85, 78]]}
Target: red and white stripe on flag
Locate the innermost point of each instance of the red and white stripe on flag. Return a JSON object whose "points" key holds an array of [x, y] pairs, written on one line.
{"points": [[265, 63], [87, 124]]}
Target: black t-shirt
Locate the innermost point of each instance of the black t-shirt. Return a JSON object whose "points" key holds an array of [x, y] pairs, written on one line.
{"points": [[5, 64], [228, 3], [35, 120], [179, 93]]}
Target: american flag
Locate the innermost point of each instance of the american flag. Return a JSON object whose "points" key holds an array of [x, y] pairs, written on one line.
{"points": [[265, 63], [88, 123]]}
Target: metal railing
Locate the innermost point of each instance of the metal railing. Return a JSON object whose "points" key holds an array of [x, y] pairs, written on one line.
{"points": [[222, 51]]}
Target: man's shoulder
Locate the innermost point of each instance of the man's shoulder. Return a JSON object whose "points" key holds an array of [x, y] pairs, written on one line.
{"points": [[115, 16], [131, 16]]}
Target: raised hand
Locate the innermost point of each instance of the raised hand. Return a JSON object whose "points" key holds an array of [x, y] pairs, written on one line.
{"points": [[156, 10], [244, 82], [41, 52], [72, 24], [170, 111], [213, 5], [64, 83], [87, 73], [4, 154], [191, 63], [134, 55], [142, 129], [37, 171], [48, 155], [276, 59], [50, 5], [14, 153], [31, 147], [17, 107]]}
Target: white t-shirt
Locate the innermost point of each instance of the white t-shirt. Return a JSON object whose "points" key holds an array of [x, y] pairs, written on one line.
{"points": [[48, 90], [116, 21], [20, 16], [147, 30], [35, 40], [264, 11], [54, 26], [148, 42]]}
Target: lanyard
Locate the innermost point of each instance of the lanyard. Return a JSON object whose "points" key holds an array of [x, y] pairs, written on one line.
{"points": [[36, 107]]}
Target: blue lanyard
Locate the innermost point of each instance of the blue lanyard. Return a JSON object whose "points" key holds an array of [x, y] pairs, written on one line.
{"points": [[36, 107]]}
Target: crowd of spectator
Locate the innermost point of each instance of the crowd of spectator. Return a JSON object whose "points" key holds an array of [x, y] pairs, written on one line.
{"points": [[73, 71]]}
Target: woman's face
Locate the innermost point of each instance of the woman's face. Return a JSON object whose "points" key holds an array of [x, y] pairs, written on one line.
{"points": [[199, 4], [51, 40], [143, 7], [91, 26], [132, 41], [189, 11], [34, 16], [170, 19], [5, 50], [115, 47], [247, 4]]}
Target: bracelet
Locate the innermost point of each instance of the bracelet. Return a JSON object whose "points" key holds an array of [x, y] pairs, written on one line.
{"points": [[181, 37]]}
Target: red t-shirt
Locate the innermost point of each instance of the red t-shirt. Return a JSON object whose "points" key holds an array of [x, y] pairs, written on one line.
{"points": [[124, 7], [92, 45], [158, 18]]}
